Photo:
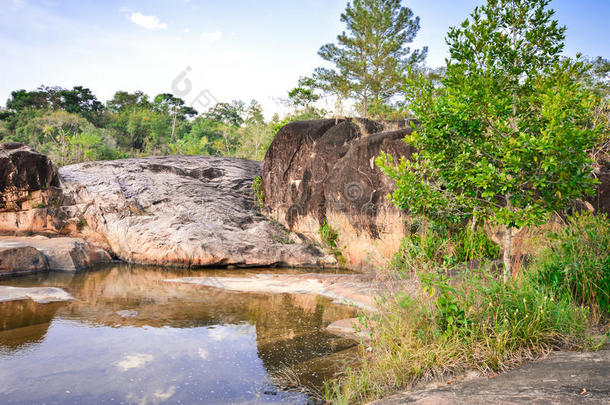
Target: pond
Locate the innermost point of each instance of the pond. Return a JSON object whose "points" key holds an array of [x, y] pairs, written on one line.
{"points": [[129, 337]]}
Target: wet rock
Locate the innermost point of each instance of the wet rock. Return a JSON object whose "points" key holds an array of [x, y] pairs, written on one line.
{"points": [[348, 289], [41, 295], [42, 253], [20, 259], [325, 170]]}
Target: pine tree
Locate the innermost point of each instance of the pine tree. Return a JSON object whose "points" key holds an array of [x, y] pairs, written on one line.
{"points": [[371, 57]]}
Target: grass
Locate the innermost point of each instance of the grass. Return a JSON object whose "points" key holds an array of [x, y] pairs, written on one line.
{"points": [[475, 321], [259, 193], [329, 237]]}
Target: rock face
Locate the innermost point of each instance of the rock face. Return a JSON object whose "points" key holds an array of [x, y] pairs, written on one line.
{"points": [[27, 178], [325, 170], [173, 210], [179, 210]]}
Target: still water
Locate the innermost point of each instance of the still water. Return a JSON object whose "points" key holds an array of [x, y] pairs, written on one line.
{"points": [[131, 338]]}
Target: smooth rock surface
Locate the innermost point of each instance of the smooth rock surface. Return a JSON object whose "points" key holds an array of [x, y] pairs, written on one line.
{"points": [[565, 378], [179, 210], [41, 295], [59, 254], [348, 289]]}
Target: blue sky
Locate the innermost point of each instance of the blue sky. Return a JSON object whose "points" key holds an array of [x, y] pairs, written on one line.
{"points": [[239, 49]]}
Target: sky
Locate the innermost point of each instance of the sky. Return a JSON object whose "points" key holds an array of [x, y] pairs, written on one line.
{"points": [[207, 51]]}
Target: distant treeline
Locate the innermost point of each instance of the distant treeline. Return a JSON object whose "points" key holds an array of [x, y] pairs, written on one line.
{"points": [[72, 125]]}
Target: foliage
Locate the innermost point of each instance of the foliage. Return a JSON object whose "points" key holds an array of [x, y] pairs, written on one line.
{"points": [[506, 137], [369, 59], [433, 245], [72, 126], [577, 264], [259, 193], [329, 237], [480, 323]]}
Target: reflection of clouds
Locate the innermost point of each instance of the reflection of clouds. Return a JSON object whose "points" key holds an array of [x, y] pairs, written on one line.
{"points": [[165, 395], [157, 397], [134, 361], [204, 354]]}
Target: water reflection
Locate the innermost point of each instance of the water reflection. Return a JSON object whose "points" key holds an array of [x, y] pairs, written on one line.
{"points": [[131, 337]]}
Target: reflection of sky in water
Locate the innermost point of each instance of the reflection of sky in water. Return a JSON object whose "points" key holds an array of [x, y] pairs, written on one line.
{"points": [[81, 364]]}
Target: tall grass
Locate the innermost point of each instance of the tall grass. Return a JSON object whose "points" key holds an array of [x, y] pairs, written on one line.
{"points": [[577, 264], [482, 324], [475, 321]]}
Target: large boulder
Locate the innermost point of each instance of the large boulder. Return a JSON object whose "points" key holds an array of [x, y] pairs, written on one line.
{"points": [[179, 210], [324, 170], [26, 177], [20, 259], [39, 253]]}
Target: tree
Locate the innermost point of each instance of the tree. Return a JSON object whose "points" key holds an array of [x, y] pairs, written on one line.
{"points": [[371, 57], [505, 138]]}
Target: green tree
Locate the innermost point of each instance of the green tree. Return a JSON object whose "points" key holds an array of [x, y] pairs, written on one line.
{"points": [[505, 138], [371, 57]]}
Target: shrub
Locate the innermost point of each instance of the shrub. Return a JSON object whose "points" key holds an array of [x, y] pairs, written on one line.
{"points": [[259, 193], [329, 236], [577, 263]]}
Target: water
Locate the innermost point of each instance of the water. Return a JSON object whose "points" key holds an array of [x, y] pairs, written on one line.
{"points": [[132, 338]]}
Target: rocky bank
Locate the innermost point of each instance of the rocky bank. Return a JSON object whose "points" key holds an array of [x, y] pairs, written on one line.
{"points": [[171, 210]]}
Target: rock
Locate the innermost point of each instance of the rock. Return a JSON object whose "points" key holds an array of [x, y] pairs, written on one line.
{"points": [[59, 254], [41, 295], [21, 259], [325, 170], [564, 378], [349, 328], [179, 210], [347, 289], [26, 177]]}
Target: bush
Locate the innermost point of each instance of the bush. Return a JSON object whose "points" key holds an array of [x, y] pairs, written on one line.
{"points": [[577, 263], [439, 245]]}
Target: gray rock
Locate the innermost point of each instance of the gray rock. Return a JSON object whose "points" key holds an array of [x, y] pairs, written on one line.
{"points": [[179, 210], [564, 378]]}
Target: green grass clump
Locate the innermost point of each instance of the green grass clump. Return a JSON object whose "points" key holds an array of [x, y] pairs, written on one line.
{"points": [[259, 193], [329, 237], [577, 264]]}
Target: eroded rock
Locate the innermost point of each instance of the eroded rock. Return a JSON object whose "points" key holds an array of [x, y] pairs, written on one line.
{"points": [[325, 170], [27, 178], [181, 211]]}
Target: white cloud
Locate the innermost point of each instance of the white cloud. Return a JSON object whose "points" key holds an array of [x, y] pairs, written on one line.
{"points": [[187, 30], [150, 22], [212, 36], [134, 361]]}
